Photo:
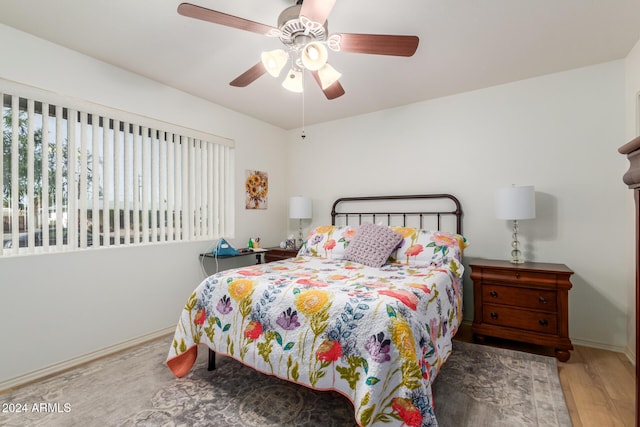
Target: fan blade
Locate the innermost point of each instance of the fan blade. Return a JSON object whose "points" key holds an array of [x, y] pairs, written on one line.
{"points": [[332, 92], [204, 14], [317, 10], [249, 76], [377, 44]]}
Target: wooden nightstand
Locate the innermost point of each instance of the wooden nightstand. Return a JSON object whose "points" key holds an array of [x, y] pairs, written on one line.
{"points": [[277, 254], [524, 302]]}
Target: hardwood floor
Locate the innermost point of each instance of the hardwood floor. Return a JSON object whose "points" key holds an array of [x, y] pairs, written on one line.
{"points": [[598, 385]]}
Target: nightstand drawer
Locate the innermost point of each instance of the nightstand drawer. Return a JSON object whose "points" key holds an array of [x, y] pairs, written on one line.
{"points": [[520, 297], [517, 276], [278, 254], [521, 319]]}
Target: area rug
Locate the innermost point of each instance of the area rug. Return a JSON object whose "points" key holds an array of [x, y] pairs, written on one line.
{"points": [[478, 386]]}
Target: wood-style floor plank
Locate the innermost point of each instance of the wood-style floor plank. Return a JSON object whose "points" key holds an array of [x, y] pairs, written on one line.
{"points": [[602, 390], [568, 397]]}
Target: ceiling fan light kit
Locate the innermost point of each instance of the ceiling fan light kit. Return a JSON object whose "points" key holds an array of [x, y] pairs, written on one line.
{"points": [[328, 76], [314, 56], [293, 81], [303, 30], [274, 61]]}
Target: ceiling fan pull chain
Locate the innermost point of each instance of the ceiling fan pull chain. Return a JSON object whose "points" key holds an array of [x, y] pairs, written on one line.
{"points": [[303, 136]]}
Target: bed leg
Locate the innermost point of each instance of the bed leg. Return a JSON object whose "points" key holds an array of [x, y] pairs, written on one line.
{"points": [[212, 360]]}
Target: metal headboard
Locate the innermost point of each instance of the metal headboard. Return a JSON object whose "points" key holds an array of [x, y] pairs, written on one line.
{"points": [[420, 214]]}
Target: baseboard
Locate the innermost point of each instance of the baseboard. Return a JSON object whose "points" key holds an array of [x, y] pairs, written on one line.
{"points": [[631, 354], [40, 374], [618, 349]]}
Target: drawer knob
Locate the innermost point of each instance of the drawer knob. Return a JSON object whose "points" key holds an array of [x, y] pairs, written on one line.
{"points": [[493, 315], [517, 275], [543, 322], [493, 294], [542, 300]]}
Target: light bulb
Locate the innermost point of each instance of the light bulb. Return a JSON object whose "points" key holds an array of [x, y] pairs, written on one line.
{"points": [[313, 53], [314, 56]]}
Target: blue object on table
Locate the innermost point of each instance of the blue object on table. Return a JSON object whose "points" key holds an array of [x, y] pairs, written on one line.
{"points": [[223, 248]]}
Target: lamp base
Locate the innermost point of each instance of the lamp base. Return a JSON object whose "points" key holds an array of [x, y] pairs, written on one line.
{"points": [[300, 241], [516, 255]]}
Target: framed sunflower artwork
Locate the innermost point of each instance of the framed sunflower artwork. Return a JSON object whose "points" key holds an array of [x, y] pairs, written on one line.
{"points": [[257, 189]]}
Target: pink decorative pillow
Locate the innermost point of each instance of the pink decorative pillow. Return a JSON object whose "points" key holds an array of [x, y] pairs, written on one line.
{"points": [[372, 245], [328, 241]]}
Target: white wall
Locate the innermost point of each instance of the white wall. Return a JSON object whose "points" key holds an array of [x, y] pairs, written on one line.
{"points": [[632, 104], [59, 307], [558, 132]]}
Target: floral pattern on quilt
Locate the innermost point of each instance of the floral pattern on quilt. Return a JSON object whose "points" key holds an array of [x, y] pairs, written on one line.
{"points": [[378, 336]]}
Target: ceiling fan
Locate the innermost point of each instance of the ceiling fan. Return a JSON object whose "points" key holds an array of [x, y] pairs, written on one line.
{"points": [[303, 30]]}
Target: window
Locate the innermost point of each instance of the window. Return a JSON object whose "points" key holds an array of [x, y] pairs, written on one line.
{"points": [[77, 175]]}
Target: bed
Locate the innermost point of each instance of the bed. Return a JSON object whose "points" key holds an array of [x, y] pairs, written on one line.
{"points": [[368, 308]]}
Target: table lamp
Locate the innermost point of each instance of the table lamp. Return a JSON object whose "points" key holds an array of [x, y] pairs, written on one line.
{"points": [[300, 208], [516, 203]]}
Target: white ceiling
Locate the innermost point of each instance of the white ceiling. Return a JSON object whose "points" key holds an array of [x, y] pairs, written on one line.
{"points": [[464, 45]]}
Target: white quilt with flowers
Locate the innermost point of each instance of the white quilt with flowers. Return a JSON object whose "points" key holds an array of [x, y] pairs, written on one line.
{"points": [[377, 335]]}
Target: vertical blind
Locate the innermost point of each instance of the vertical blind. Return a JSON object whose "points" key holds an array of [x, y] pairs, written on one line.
{"points": [[78, 175]]}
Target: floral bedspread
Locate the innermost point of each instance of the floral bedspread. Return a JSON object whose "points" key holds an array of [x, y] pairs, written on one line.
{"points": [[378, 336]]}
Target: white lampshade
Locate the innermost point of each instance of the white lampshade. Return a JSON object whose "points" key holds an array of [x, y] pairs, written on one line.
{"points": [[293, 81], [274, 61], [516, 203], [300, 207], [328, 76], [314, 56]]}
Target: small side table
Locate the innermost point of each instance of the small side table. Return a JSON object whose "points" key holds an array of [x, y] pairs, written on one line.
{"points": [[277, 254], [230, 261], [526, 302], [258, 255]]}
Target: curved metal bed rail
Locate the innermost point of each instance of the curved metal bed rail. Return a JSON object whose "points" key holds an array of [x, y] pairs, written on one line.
{"points": [[457, 212]]}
